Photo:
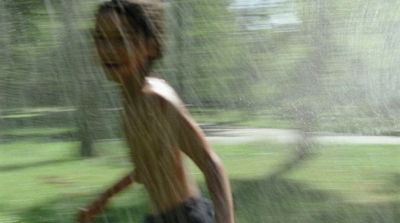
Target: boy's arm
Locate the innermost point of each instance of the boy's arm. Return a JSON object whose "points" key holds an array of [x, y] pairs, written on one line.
{"points": [[88, 213], [193, 143]]}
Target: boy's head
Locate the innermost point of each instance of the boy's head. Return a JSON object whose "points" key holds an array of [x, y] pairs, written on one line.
{"points": [[128, 36]]}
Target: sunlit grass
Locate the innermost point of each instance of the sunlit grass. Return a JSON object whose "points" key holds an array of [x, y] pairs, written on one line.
{"points": [[47, 182], [358, 172]]}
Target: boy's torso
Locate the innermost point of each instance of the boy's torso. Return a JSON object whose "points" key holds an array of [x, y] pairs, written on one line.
{"points": [[151, 134]]}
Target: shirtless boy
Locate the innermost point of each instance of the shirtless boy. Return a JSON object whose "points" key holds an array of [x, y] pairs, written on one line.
{"points": [[159, 130]]}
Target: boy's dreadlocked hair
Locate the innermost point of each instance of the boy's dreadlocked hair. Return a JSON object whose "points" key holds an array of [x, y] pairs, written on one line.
{"points": [[145, 16]]}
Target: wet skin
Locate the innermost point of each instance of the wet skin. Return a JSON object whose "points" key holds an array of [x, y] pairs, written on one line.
{"points": [[147, 129], [160, 132]]}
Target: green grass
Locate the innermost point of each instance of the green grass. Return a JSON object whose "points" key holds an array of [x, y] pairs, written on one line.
{"points": [[46, 182], [44, 131], [235, 117]]}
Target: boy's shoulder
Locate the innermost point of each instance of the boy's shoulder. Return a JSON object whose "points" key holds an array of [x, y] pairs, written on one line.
{"points": [[161, 91]]}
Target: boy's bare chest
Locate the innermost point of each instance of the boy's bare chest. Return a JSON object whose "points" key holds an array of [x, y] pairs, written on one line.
{"points": [[141, 120], [146, 124]]}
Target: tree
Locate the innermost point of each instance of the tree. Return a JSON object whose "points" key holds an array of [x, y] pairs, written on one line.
{"points": [[204, 60], [307, 96]]}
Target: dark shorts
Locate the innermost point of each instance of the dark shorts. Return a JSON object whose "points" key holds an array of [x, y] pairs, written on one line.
{"points": [[194, 210]]}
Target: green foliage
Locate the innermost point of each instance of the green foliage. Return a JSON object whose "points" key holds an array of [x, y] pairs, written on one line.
{"points": [[338, 62], [204, 61]]}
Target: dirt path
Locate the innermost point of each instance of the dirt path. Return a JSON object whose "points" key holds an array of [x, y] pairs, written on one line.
{"points": [[241, 135]]}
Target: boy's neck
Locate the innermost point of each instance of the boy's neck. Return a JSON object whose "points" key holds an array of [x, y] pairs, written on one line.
{"points": [[132, 89]]}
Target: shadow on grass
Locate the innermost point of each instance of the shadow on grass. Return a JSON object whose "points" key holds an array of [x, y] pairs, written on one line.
{"points": [[277, 200], [256, 201], [16, 167], [66, 209], [392, 185], [67, 136]]}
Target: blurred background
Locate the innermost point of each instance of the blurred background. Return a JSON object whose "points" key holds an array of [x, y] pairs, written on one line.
{"points": [[298, 97]]}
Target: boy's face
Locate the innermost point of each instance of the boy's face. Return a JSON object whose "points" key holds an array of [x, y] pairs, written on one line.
{"points": [[122, 51]]}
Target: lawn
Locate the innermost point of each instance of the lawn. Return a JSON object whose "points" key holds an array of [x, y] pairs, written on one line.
{"points": [[46, 182], [235, 117]]}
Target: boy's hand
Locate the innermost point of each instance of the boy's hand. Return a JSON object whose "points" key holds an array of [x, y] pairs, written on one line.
{"points": [[87, 214]]}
